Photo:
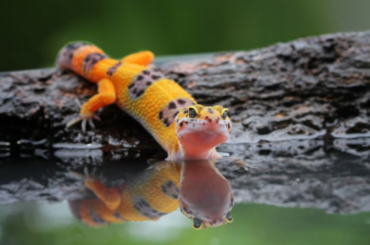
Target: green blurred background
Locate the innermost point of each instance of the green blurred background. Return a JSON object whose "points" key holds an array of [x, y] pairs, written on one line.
{"points": [[32, 32], [253, 224]]}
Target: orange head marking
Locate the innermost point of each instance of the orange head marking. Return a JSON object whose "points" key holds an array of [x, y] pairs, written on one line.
{"points": [[200, 129]]}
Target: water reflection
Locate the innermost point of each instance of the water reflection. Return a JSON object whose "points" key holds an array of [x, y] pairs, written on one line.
{"points": [[197, 187], [205, 194]]}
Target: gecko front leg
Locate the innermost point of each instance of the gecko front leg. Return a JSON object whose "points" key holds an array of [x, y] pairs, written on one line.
{"points": [[106, 96]]}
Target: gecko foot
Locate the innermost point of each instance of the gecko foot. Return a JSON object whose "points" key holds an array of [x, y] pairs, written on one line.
{"points": [[84, 120], [239, 163]]}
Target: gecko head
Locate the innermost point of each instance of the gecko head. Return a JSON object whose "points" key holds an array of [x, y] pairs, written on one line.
{"points": [[211, 216], [199, 129]]}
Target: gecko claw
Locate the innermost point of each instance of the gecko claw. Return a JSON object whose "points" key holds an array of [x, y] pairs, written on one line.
{"points": [[78, 103], [91, 123], [97, 118], [73, 122], [83, 125], [240, 164], [84, 120], [76, 175]]}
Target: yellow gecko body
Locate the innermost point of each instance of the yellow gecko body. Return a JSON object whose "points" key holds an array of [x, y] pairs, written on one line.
{"points": [[162, 106], [196, 186], [148, 195]]}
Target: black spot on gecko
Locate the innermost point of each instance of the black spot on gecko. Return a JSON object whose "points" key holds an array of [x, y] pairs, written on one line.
{"points": [[90, 60], [95, 217], [170, 111], [118, 216], [181, 101], [114, 68], [166, 122], [171, 190], [142, 81], [172, 105], [138, 94], [160, 115], [210, 110], [144, 208]]}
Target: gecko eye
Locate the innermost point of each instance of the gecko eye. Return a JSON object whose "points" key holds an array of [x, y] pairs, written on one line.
{"points": [[193, 112], [229, 218], [197, 224], [224, 113]]}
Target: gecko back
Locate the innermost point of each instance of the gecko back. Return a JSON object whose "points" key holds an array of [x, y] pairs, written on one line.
{"points": [[144, 93]]}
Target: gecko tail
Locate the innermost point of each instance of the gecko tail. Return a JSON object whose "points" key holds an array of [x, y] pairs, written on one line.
{"points": [[66, 54], [81, 58]]}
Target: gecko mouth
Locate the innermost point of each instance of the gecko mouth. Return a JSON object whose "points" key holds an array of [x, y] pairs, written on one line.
{"points": [[202, 134]]}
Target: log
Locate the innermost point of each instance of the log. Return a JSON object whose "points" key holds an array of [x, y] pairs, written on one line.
{"points": [[313, 87], [300, 113]]}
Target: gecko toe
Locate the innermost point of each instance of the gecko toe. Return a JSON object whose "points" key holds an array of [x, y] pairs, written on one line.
{"points": [[83, 125], [91, 123], [97, 118], [73, 122], [84, 121]]}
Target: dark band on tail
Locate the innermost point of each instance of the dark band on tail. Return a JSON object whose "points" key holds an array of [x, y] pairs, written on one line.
{"points": [[66, 54], [90, 60]]}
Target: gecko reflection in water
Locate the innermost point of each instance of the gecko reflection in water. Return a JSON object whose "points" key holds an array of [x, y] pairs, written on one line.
{"points": [[196, 186]]}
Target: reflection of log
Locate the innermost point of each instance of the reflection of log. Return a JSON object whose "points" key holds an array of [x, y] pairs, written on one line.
{"points": [[305, 173], [310, 87], [290, 174]]}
